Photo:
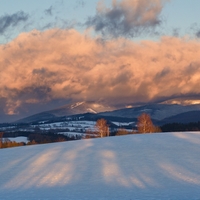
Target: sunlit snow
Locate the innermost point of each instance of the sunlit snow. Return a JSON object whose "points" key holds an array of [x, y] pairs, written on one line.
{"points": [[142, 166]]}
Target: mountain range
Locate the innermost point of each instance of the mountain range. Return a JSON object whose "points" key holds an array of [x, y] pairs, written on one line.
{"points": [[160, 113]]}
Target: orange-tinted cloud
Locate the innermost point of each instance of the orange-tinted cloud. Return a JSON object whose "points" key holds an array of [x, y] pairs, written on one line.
{"points": [[65, 64]]}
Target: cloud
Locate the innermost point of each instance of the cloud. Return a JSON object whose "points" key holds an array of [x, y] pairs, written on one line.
{"points": [[49, 11], [176, 32], [127, 18], [13, 20], [38, 68], [198, 34], [194, 30]]}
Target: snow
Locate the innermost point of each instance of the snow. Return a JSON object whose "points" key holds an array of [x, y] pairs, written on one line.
{"points": [[91, 110], [76, 104], [123, 123], [144, 166], [70, 133], [79, 126], [18, 139]]}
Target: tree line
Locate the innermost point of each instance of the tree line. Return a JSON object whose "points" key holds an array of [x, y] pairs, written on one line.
{"points": [[174, 127], [36, 138], [144, 125]]}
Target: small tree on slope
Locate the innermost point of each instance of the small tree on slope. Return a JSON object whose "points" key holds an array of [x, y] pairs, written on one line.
{"points": [[102, 128], [145, 125]]}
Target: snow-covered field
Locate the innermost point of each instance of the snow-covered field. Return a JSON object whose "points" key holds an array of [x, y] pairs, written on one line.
{"points": [[146, 166], [70, 125], [19, 139]]}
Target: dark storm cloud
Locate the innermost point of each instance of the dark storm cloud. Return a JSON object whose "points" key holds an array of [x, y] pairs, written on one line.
{"points": [[30, 93], [35, 92], [13, 20], [127, 18]]}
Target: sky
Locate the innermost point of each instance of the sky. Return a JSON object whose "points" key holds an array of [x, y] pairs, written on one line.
{"points": [[116, 52]]}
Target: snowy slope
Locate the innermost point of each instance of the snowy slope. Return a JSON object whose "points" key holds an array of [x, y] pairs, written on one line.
{"points": [[151, 166]]}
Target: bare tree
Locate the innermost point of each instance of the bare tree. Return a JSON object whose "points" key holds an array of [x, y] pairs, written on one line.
{"points": [[144, 124], [102, 128]]}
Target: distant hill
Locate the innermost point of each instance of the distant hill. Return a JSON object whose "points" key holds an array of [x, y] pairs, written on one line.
{"points": [[160, 113], [67, 110], [37, 117], [156, 111], [187, 117]]}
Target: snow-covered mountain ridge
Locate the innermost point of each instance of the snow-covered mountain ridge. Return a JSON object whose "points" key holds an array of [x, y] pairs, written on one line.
{"points": [[158, 112], [68, 110]]}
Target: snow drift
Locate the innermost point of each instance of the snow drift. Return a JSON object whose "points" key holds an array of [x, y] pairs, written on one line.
{"points": [[150, 166]]}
